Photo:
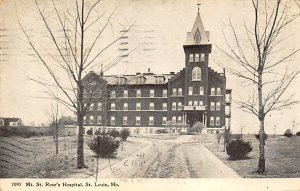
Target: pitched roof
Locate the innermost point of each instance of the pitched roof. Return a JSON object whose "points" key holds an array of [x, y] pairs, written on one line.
{"points": [[198, 29], [149, 78], [8, 120]]}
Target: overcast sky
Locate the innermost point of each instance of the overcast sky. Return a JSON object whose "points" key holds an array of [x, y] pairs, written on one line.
{"points": [[170, 20]]}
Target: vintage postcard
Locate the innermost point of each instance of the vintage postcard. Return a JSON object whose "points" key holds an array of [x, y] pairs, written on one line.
{"points": [[149, 95]]}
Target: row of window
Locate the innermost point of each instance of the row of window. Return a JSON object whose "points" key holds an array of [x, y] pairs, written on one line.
{"points": [[215, 106], [197, 57], [193, 90], [175, 106], [138, 93], [140, 80], [175, 92], [138, 106], [214, 121]]}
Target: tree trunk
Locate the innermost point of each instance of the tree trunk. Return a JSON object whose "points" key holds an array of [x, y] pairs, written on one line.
{"points": [[80, 105], [80, 153], [261, 162], [56, 140]]}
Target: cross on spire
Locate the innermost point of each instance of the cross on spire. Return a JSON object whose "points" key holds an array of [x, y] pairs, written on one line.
{"points": [[198, 4]]}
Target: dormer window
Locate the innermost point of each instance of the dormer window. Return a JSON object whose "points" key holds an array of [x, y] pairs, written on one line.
{"points": [[121, 80], [140, 80], [159, 79], [197, 37]]}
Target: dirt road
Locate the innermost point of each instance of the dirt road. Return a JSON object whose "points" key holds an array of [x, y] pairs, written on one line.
{"points": [[184, 157]]}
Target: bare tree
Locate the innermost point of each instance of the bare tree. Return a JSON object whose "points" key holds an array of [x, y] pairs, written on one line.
{"points": [[266, 65], [55, 122], [75, 55]]}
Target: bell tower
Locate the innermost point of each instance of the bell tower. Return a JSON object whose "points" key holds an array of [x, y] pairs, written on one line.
{"points": [[197, 49]]}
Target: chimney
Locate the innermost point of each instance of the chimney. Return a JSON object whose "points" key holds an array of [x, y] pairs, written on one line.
{"points": [[148, 70], [138, 73]]}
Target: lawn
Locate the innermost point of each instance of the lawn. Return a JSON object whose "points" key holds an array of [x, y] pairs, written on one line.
{"points": [[282, 158], [35, 157]]}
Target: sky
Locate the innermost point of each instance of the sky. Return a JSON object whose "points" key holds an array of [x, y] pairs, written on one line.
{"points": [[168, 21]]}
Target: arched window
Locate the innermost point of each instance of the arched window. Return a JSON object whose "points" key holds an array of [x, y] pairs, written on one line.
{"points": [[197, 37], [196, 73]]}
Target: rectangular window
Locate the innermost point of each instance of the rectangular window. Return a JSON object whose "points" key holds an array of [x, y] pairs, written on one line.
{"points": [[113, 94], [165, 93], [151, 106], [195, 103], [151, 93], [138, 106], [174, 119], [196, 57], [164, 120], [113, 106], [125, 93], [179, 119], [174, 93], [124, 120], [179, 106], [201, 92], [212, 121], [212, 91], [219, 91], [179, 91], [84, 120], [92, 107], [190, 90], [125, 106], [99, 107], [112, 120], [217, 121], [99, 120], [212, 106], [174, 106], [138, 93], [202, 57], [200, 102], [91, 120], [190, 103], [164, 107], [218, 106], [151, 120], [191, 58], [138, 120]]}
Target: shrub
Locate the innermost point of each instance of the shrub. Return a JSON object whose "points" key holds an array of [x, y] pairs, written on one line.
{"points": [[298, 133], [160, 131], [125, 133], [89, 132], [114, 133], [288, 133], [104, 145], [265, 136], [238, 149]]}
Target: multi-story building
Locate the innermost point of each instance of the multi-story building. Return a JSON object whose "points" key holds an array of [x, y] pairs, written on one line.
{"points": [[194, 94]]}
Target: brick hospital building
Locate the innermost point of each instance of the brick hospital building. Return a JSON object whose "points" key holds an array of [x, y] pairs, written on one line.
{"points": [[196, 93]]}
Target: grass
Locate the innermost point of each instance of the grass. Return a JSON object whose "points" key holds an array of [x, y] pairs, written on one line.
{"points": [[282, 158], [35, 157]]}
